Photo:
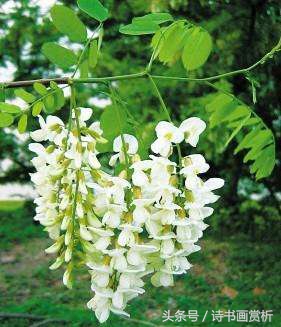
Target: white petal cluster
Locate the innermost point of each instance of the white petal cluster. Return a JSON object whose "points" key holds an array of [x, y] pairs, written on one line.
{"points": [[144, 221]]}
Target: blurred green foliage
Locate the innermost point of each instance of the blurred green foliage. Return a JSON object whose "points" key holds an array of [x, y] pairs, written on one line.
{"points": [[242, 32]]}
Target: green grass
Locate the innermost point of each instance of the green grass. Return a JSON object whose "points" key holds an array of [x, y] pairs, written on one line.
{"points": [[11, 205], [227, 274]]}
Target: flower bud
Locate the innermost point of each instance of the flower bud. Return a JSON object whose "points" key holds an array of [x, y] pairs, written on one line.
{"points": [[59, 261], [137, 192], [67, 277], [50, 149]]}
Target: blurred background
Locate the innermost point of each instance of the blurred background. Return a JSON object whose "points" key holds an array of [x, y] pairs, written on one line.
{"points": [[239, 266]]}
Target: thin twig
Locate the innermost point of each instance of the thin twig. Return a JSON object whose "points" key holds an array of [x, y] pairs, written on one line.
{"points": [[48, 321], [7, 315], [146, 323], [84, 50], [44, 320]]}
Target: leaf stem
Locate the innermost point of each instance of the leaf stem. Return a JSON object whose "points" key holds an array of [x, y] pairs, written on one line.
{"points": [[84, 49], [165, 109], [127, 159]]}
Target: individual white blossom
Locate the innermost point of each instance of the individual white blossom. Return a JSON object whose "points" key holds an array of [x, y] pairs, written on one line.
{"points": [[192, 128], [167, 134]]}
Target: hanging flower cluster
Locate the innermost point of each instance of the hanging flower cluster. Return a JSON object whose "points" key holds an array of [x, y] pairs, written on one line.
{"points": [[145, 221]]}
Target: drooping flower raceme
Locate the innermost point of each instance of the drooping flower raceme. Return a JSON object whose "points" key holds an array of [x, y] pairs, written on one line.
{"points": [[144, 221]]}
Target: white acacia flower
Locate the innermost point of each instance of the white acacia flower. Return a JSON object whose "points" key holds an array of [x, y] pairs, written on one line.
{"points": [[131, 281], [192, 128], [167, 247], [161, 278], [112, 217], [200, 213], [167, 134], [136, 255], [84, 114], [100, 274], [177, 265], [213, 184], [141, 212], [140, 177], [50, 129], [127, 237], [194, 164], [118, 260], [101, 303], [131, 148]]}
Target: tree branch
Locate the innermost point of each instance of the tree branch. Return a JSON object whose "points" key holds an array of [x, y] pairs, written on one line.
{"points": [[67, 80]]}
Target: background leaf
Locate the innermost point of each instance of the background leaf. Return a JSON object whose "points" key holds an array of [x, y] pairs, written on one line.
{"points": [[26, 96], [40, 88], [227, 110], [6, 119], [68, 23], [197, 48], [22, 124], [59, 55], [9, 108], [158, 18], [37, 108], [139, 28], [93, 54], [94, 8]]}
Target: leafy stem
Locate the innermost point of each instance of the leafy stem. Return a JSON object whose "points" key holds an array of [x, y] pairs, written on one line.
{"points": [[234, 72], [242, 103]]}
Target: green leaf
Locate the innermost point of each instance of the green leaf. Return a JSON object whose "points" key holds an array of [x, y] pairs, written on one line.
{"points": [[93, 8], [68, 23], [9, 108], [237, 129], [113, 121], [6, 119], [263, 138], [26, 96], [248, 122], [221, 114], [219, 101], [264, 163], [59, 55], [197, 48], [240, 112], [22, 124], [247, 141], [157, 18], [58, 95], [168, 42], [139, 28], [84, 69], [40, 88], [37, 108], [49, 104], [93, 54]]}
